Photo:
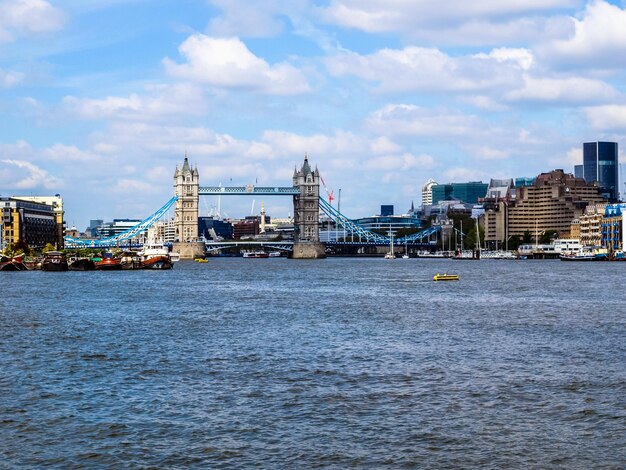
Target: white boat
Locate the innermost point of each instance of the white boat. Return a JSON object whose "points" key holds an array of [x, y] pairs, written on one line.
{"points": [[255, 254], [155, 255]]}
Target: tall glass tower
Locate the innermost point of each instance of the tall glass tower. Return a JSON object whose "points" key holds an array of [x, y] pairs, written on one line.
{"points": [[600, 164]]}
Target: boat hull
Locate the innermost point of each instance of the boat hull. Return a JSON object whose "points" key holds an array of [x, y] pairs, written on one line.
{"points": [[157, 262], [13, 266], [108, 265], [446, 277], [82, 265]]}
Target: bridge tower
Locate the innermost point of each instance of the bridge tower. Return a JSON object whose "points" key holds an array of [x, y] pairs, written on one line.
{"points": [[186, 184], [306, 213]]}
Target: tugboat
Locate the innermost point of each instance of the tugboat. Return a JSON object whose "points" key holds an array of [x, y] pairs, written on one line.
{"points": [[54, 261], [108, 263], [155, 256]]}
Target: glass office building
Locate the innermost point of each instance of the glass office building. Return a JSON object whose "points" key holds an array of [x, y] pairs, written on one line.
{"points": [[466, 192], [600, 164]]}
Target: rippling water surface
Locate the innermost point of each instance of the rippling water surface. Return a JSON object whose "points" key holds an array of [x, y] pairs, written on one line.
{"points": [[330, 363]]}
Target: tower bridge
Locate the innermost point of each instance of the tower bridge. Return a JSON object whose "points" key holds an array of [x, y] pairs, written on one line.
{"points": [[307, 202]]}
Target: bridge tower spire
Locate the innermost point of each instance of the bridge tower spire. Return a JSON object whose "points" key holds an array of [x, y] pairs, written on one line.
{"points": [[186, 184]]}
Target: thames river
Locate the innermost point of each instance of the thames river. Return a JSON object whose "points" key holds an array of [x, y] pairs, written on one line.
{"points": [[276, 363]]}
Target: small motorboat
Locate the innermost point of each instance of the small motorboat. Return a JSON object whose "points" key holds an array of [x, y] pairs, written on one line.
{"points": [[201, 260], [446, 277]]}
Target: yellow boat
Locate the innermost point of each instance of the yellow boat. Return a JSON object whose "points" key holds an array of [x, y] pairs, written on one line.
{"points": [[446, 277], [201, 260]]}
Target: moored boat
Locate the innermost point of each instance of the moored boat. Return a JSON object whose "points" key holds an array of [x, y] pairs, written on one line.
{"points": [[108, 263], [54, 261], [255, 254], [155, 256], [13, 263], [82, 264]]}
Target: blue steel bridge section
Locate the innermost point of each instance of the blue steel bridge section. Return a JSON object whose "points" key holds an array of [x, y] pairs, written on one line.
{"points": [[352, 228], [109, 242]]}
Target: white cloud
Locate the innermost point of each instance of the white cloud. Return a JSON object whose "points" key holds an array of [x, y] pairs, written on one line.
{"points": [[159, 100], [228, 63], [401, 163], [26, 175], [607, 117], [598, 39], [9, 79], [567, 160], [28, 16], [419, 68], [252, 19], [406, 119], [68, 153], [570, 90], [449, 21]]}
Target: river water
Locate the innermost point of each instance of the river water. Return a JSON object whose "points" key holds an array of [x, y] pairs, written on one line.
{"points": [[338, 363]]}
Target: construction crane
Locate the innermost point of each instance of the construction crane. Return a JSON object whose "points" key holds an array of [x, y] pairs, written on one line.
{"points": [[329, 193]]}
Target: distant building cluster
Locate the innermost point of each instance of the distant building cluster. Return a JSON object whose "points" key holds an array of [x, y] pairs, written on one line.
{"points": [[580, 205]]}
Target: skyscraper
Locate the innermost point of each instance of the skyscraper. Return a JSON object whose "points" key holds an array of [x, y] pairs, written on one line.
{"points": [[600, 164]]}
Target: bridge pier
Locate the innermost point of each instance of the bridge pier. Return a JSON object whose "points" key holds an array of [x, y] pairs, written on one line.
{"points": [[189, 250], [308, 250]]}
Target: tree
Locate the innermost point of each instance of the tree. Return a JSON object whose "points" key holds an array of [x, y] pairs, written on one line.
{"points": [[48, 247]]}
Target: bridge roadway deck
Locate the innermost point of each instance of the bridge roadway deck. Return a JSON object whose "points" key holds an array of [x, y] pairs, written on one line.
{"points": [[247, 191]]}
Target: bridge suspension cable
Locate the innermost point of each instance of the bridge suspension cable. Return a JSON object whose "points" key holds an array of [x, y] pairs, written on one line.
{"points": [[135, 230], [366, 235]]}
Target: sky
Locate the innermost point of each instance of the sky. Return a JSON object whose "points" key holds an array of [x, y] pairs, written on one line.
{"points": [[101, 99]]}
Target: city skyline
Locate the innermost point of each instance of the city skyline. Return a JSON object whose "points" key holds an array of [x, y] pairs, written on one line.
{"points": [[102, 100]]}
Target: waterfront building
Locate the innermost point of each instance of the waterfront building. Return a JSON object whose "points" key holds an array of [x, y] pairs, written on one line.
{"points": [[614, 227], [427, 192], [395, 222], [186, 187], [27, 224], [590, 225], [600, 163], [550, 203], [466, 192], [56, 202], [574, 230]]}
